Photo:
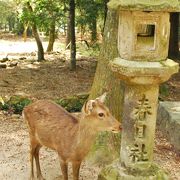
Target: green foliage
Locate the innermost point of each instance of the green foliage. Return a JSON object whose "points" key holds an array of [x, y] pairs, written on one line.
{"points": [[88, 15], [44, 13], [163, 91], [92, 51], [7, 13], [47, 12], [18, 29], [74, 103], [15, 104]]}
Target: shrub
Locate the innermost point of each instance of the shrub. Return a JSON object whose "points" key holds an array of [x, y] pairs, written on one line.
{"points": [[15, 104]]}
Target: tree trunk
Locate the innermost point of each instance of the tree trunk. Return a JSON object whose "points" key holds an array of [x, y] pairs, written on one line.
{"points": [[105, 11], [94, 30], [104, 78], [173, 42], [105, 81], [51, 36], [67, 28], [36, 36], [68, 33], [72, 34], [5, 27], [39, 43], [26, 25]]}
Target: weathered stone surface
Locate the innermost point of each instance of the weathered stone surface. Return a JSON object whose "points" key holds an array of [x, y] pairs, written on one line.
{"points": [[138, 172], [138, 124], [146, 5], [168, 121], [143, 36], [144, 72]]}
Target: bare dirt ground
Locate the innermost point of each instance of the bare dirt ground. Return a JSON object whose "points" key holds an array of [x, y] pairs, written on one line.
{"points": [[52, 79]]}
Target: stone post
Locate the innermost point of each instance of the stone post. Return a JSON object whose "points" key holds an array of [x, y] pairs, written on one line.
{"points": [[141, 81]]}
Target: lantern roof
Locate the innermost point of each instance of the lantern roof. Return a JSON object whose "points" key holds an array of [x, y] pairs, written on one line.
{"points": [[146, 5]]}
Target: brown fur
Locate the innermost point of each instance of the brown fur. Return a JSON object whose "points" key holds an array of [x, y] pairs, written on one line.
{"points": [[52, 126]]}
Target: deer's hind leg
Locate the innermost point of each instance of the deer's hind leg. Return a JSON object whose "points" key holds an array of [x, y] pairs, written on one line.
{"points": [[64, 168], [76, 167], [34, 153]]}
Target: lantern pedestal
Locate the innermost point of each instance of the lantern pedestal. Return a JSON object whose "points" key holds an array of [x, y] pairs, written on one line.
{"points": [[137, 172], [141, 79]]}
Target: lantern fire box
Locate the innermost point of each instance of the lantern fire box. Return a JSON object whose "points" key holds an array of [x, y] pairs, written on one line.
{"points": [[144, 28]]}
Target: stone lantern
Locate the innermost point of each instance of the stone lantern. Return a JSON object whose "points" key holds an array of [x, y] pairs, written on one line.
{"points": [[142, 65]]}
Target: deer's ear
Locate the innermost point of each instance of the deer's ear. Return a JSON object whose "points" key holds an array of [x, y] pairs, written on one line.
{"points": [[102, 98], [88, 106]]}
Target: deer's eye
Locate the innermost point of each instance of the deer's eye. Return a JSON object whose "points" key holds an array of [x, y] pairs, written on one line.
{"points": [[101, 114]]}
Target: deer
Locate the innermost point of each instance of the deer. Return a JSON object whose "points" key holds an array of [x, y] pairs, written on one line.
{"points": [[70, 136]]}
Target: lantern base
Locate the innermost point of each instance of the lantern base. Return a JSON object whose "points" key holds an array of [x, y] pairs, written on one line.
{"points": [[138, 171]]}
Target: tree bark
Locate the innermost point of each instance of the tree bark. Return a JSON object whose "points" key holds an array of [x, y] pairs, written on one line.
{"points": [[105, 11], [51, 36], [105, 81], [68, 33], [5, 27], [72, 34], [104, 78], [26, 25], [173, 42], [94, 30], [39, 43], [36, 36]]}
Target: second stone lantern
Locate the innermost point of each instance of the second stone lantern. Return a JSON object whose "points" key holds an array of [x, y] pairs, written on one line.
{"points": [[143, 41]]}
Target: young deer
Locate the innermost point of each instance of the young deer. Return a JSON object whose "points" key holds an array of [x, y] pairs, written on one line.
{"points": [[52, 126]]}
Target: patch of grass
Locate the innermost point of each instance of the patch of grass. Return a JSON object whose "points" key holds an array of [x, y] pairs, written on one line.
{"points": [[163, 91], [15, 104], [92, 50], [74, 103]]}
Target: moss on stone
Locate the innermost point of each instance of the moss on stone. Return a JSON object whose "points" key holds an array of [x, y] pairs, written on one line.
{"points": [[143, 169], [105, 149], [137, 172], [144, 5], [109, 173]]}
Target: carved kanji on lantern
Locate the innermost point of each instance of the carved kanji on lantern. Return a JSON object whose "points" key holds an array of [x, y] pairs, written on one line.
{"points": [[138, 152], [143, 109]]}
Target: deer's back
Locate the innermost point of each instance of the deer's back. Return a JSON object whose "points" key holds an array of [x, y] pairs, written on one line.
{"points": [[51, 125]]}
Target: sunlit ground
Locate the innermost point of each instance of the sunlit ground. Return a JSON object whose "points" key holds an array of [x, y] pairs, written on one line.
{"points": [[17, 48], [21, 47]]}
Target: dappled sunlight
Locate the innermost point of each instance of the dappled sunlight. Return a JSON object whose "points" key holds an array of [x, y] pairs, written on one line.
{"points": [[14, 48]]}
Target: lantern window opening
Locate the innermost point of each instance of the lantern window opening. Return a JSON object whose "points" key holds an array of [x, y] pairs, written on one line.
{"points": [[145, 36]]}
